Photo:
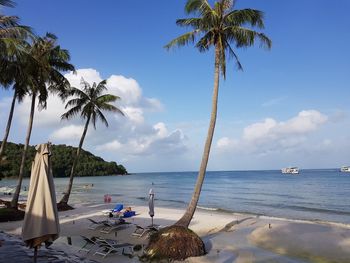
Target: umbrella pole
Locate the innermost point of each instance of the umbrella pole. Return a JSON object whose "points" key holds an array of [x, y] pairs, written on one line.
{"points": [[152, 220], [35, 253]]}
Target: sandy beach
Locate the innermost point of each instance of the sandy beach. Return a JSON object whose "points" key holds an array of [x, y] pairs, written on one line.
{"points": [[228, 237]]}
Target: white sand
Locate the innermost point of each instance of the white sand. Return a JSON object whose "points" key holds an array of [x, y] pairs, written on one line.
{"points": [[228, 237]]}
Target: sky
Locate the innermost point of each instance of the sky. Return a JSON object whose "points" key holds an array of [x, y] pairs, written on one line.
{"points": [[288, 107]]}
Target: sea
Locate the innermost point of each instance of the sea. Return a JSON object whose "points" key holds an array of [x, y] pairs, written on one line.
{"points": [[313, 195]]}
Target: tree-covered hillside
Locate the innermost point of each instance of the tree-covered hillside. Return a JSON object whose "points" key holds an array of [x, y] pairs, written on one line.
{"points": [[62, 159]]}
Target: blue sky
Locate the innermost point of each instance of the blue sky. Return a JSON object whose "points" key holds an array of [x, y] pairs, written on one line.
{"points": [[288, 107]]}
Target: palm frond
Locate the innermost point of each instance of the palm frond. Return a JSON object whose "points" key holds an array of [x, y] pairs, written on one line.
{"points": [[78, 93], [101, 117], [93, 118], [206, 41], [198, 6], [193, 22], [245, 37], [107, 98], [89, 104], [10, 28], [183, 40], [21, 91], [101, 86], [71, 112], [74, 102], [221, 26], [87, 109], [8, 3], [85, 85], [233, 54], [245, 16]]}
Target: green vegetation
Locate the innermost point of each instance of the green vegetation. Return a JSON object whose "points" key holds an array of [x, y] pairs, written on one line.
{"points": [[62, 161]]}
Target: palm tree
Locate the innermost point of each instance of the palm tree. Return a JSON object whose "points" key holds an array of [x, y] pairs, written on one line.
{"points": [[222, 27], [89, 103], [12, 40], [40, 74]]}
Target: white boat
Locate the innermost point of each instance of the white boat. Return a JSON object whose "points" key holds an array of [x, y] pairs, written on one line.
{"points": [[345, 169], [290, 170]]}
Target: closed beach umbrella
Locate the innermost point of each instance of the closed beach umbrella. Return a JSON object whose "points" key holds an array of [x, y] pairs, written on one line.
{"points": [[151, 204], [41, 223]]}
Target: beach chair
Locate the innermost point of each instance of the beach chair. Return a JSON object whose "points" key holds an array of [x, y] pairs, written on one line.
{"points": [[89, 244], [96, 224], [111, 246], [109, 227], [141, 231]]}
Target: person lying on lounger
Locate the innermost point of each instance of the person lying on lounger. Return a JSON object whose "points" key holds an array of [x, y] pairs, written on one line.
{"points": [[127, 212]]}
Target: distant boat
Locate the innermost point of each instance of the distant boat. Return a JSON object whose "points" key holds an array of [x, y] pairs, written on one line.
{"points": [[345, 169], [290, 170]]}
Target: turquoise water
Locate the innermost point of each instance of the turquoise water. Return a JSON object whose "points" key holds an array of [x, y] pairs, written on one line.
{"points": [[312, 195]]}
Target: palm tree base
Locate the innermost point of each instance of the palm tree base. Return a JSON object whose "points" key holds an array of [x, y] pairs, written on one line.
{"points": [[62, 206], [175, 243]]}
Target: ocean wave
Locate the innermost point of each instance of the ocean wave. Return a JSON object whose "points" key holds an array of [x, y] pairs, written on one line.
{"points": [[318, 210], [263, 216], [308, 221], [207, 208], [300, 208], [172, 201], [219, 210]]}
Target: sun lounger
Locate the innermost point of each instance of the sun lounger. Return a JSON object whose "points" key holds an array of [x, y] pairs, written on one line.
{"points": [[116, 209], [95, 224], [89, 244], [107, 247], [141, 231], [109, 227]]}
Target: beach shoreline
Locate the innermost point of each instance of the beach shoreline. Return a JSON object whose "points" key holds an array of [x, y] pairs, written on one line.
{"points": [[236, 236]]}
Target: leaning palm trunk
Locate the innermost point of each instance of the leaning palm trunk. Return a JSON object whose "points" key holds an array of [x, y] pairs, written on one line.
{"points": [[187, 217], [8, 126], [66, 195], [14, 201]]}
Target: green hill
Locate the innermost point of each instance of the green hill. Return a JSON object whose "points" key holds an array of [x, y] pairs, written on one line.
{"points": [[62, 160]]}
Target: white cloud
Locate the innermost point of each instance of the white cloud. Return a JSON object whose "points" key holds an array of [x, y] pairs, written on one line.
{"points": [[161, 129], [70, 132], [304, 122], [130, 137], [158, 141], [90, 75], [270, 135], [126, 88], [110, 146], [134, 114], [226, 143]]}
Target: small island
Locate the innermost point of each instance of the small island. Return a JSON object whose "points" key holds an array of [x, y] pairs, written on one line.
{"points": [[62, 160]]}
